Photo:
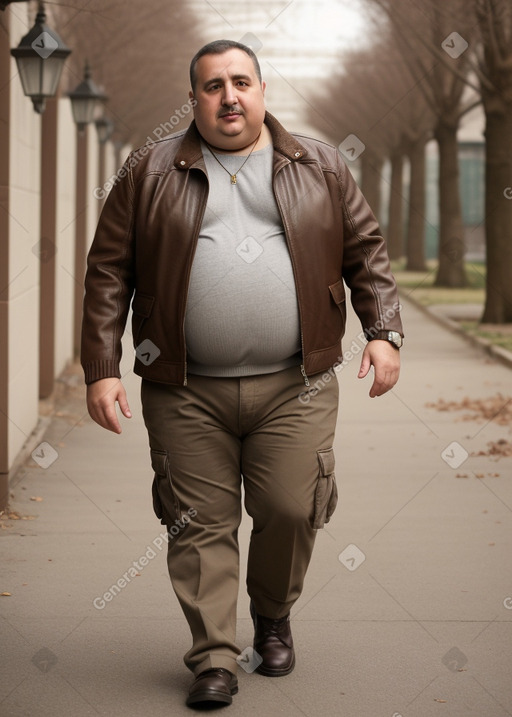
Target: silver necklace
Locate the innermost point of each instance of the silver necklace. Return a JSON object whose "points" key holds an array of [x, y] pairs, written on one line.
{"points": [[233, 176]]}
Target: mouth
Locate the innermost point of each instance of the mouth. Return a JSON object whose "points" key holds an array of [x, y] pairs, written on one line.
{"points": [[232, 114]]}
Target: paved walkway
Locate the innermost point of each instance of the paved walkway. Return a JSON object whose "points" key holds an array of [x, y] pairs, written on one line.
{"points": [[407, 608]]}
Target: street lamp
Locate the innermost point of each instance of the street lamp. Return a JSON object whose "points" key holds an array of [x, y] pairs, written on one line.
{"points": [[84, 99], [40, 58], [104, 127]]}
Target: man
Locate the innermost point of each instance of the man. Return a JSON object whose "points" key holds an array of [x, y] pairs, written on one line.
{"points": [[233, 238]]}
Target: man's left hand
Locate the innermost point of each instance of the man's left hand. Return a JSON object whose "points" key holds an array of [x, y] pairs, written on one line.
{"points": [[385, 359]]}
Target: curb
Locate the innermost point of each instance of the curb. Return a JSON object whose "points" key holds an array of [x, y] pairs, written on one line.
{"points": [[496, 352]]}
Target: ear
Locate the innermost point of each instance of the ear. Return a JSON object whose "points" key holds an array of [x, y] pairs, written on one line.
{"points": [[191, 95], [263, 87]]}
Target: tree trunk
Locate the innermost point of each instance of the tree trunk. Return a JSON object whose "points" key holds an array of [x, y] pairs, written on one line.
{"points": [[451, 271], [417, 201], [395, 232], [498, 213], [371, 177]]}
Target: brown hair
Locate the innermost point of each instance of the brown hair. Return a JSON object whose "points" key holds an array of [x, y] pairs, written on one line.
{"points": [[217, 47]]}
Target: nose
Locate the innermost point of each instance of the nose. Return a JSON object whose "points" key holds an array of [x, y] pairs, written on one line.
{"points": [[229, 98]]}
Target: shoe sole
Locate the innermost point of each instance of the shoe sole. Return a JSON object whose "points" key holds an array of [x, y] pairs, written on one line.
{"points": [[275, 672], [208, 696]]}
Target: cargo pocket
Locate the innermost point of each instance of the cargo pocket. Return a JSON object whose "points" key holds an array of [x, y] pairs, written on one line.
{"points": [[326, 493], [165, 501]]}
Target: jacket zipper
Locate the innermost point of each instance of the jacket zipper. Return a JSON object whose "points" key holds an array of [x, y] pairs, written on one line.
{"points": [[302, 367], [200, 219], [304, 375]]}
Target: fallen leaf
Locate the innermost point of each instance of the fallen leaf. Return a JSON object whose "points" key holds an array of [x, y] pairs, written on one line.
{"points": [[495, 408], [438, 700], [5, 594], [37, 498], [499, 449]]}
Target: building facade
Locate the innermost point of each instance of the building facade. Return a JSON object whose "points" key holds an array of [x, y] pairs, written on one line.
{"points": [[48, 212]]}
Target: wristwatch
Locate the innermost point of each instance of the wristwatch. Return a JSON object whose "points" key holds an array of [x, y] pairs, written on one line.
{"points": [[392, 336]]}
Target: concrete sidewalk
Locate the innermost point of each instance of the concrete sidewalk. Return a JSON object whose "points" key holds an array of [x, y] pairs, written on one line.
{"points": [[407, 607]]}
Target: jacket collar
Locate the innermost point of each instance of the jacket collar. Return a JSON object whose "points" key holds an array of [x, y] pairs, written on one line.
{"points": [[189, 151]]}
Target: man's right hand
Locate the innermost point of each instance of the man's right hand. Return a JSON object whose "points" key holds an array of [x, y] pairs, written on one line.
{"points": [[101, 403]]}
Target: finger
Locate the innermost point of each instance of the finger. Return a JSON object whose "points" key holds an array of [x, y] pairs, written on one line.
{"points": [[383, 383], [123, 404], [103, 412], [110, 420], [365, 365]]}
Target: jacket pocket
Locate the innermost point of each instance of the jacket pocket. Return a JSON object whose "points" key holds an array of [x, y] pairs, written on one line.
{"points": [[142, 305], [338, 292], [326, 492], [165, 501]]}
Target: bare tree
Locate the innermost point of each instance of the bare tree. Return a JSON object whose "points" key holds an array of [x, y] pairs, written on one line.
{"points": [[488, 71], [376, 99], [432, 22], [139, 55], [494, 69]]}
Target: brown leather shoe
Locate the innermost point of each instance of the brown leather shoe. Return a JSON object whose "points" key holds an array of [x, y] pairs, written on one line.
{"points": [[212, 688], [274, 643]]}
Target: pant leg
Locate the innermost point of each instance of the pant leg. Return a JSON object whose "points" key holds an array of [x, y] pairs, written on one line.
{"points": [[288, 472], [197, 491]]}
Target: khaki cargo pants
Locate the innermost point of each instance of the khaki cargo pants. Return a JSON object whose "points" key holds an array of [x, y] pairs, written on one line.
{"points": [[276, 436]]}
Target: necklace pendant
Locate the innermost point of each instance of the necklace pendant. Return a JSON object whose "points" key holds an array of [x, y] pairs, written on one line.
{"points": [[233, 179]]}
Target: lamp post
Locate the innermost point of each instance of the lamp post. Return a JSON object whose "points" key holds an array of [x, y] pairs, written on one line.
{"points": [[104, 127], [40, 58], [84, 99]]}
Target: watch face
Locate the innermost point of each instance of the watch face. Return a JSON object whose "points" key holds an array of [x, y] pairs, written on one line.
{"points": [[395, 338]]}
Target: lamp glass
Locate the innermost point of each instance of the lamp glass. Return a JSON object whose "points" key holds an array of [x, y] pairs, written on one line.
{"points": [[83, 110], [40, 77]]}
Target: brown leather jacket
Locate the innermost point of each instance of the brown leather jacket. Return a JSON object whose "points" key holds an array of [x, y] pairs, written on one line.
{"points": [[146, 238]]}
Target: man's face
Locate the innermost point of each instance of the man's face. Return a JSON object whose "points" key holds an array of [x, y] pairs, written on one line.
{"points": [[230, 105]]}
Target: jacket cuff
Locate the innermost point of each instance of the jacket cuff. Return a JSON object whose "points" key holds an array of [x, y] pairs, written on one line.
{"points": [[96, 370]]}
